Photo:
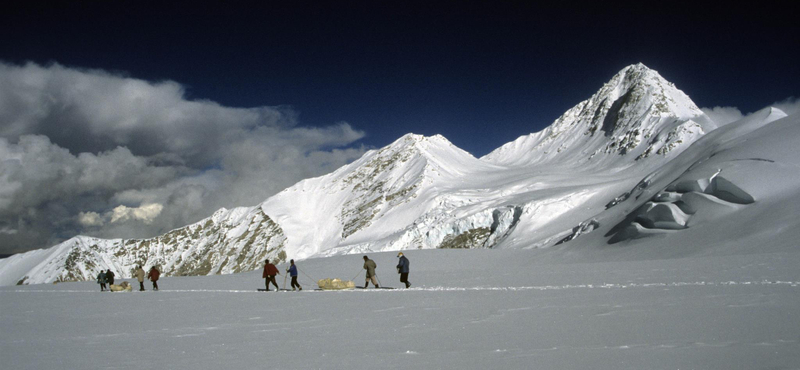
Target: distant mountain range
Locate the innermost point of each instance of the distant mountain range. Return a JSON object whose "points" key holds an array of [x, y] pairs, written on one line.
{"points": [[638, 141]]}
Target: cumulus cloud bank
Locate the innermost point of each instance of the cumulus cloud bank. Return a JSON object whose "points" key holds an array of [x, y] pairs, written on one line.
{"points": [[91, 152]]}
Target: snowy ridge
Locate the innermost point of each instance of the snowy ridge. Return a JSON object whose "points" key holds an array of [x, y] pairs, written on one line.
{"points": [[230, 241], [616, 169]]}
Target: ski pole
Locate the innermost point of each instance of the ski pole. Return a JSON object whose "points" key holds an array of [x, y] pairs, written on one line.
{"points": [[284, 281]]}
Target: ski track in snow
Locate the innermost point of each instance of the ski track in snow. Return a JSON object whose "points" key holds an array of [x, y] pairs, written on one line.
{"points": [[793, 284], [663, 346]]}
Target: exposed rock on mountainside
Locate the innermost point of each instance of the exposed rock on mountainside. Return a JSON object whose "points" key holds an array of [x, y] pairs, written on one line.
{"points": [[228, 242]]}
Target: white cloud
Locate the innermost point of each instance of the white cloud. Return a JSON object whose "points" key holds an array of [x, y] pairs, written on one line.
{"points": [[146, 213], [789, 106], [78, 143], [723, 115], [89, 219]]}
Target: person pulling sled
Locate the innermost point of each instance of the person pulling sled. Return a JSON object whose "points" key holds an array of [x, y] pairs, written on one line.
{"points": [[153, 276], [101, 279], [110, 277], [269, 274], [370, 266], [139, 273], [402, 269], [292, 271]]}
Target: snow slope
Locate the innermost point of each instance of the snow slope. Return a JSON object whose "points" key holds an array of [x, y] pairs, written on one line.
{"points": [[740, 182]]}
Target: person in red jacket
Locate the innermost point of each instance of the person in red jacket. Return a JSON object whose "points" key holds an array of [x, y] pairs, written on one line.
{"points": [[269, 274], [153, 275]]}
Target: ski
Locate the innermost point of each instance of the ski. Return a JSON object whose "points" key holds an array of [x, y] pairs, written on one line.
{"points": [[383, 287]]}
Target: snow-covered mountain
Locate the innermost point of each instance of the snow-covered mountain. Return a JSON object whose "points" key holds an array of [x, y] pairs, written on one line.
{"points": [[637, 114], [229, 241], [634, 160]]}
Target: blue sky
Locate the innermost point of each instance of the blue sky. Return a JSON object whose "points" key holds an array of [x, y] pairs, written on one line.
{"points": [[479, 74], [139, 117]]}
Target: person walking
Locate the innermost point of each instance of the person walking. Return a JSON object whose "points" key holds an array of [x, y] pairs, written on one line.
{"points": [[153, 275], [139, 273], [292, 271], [370, 266], [101, 279], [110, 277], [269, 274], [402, 269]]}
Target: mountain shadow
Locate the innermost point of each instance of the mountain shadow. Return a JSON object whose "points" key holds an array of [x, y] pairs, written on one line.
{"points": [[610, 121]]}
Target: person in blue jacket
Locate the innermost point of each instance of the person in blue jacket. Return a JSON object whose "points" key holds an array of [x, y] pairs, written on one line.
{"points": [[292, 270], [402, 269], [101, 279]]}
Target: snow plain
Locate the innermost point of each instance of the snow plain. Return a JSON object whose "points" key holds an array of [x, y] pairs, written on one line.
{"points": [[467, 309]]}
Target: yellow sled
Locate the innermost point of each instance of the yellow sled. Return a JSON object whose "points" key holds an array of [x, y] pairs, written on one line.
{"points": [[123, 287], [335, 284]]}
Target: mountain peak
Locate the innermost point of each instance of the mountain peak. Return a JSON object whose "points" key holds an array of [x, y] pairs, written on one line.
{"points": [[435, 148], [412, 139], [636, 112], [638, 69], [647, 86]]}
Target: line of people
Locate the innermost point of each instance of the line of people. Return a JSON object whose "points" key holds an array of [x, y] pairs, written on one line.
{"points": [[403, 267], [107, 277], [270, 272]]}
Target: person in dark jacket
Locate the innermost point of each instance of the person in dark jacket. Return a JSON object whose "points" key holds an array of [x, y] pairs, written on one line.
{"points": [[370, 266], [110, 277], [153, 275], [402, 269], [269, 274], [292, 271], [101, 279]]}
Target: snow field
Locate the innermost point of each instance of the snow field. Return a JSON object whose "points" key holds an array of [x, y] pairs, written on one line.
{"points": [[467, 309]]}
